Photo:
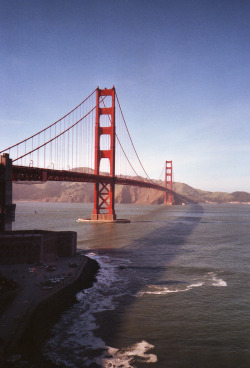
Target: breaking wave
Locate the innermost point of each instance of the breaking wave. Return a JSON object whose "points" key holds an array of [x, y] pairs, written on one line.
{"points": [[127, 357], [74, 343], [209, 279]]}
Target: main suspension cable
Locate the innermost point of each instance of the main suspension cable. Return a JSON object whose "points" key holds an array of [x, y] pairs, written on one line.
{"points": [[48, 127], [131, 140]]}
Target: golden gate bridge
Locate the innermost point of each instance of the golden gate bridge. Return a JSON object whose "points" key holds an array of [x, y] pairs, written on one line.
{"points": [[91, 143]]}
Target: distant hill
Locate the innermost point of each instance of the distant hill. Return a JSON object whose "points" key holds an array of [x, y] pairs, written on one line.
{"points": [[83, 192]]}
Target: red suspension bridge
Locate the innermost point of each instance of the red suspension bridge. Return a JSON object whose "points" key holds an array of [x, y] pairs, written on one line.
{"points": [[91, 143]]}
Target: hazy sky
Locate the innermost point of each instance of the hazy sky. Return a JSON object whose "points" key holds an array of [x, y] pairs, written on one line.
{"points": [[181, 69]]}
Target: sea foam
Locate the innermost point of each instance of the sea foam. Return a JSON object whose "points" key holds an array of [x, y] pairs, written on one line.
{"points": [[127, 357], [208, 279], [215, 280], [74, 336]]}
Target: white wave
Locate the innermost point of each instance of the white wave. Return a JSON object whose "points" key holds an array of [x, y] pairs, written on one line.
{"points": [[161, 290], [214, 280], [217, 281], [91, 254], [198, 284], [209, 279], [127, 357], [74, 334]]}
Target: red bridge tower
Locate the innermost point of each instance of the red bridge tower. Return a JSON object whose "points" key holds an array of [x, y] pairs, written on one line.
{"points": [[104, 193], [169, 182]]}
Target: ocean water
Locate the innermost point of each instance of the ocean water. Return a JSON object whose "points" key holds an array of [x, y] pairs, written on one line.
{"points": [[172, 291]]}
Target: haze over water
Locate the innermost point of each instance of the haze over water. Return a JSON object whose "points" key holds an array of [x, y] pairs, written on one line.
{"points": [[172, 291]]}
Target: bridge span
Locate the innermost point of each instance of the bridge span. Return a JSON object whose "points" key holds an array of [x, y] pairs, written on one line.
{"points": [[92, 137]]}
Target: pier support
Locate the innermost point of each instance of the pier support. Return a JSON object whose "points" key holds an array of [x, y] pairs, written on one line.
{"points": [[7, 208], [169, 183]]}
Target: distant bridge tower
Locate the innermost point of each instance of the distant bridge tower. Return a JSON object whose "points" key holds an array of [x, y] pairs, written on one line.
{"points": [[104, 193], [169, 183]]}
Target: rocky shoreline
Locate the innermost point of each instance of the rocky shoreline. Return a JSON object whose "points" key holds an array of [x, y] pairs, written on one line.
{"points": [[22, 336]]}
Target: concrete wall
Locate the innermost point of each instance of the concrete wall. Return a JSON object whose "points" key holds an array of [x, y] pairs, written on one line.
{"points": [[34, 246], [7, 208], [66, 243]]}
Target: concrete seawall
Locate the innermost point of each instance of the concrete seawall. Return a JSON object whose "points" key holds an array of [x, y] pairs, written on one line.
{"points": [[22, 336]]}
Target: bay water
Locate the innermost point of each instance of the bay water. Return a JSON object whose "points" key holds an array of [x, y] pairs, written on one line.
{"points": [[172, 291]]}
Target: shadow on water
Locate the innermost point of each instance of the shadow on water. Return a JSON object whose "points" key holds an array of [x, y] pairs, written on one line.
{"points": [[164, 242], [149, 254]]}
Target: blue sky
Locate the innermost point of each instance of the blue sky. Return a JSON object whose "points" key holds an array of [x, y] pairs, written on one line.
{"points": [[181, 71]]}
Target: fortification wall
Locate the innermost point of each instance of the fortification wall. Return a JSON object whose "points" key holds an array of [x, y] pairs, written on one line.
{"points": [[36, 246]]}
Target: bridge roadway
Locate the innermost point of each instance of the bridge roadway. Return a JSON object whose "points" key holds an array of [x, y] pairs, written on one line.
{"points": [[26, 173]]}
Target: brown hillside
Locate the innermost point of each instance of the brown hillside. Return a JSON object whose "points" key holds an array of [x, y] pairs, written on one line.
{"points": [[83, 192]]}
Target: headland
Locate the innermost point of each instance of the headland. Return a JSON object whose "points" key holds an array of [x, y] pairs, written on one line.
{"points": [[32, 297]]}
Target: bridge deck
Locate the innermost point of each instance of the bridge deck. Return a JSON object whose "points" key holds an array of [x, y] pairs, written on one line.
{"points": [[26, 173]]}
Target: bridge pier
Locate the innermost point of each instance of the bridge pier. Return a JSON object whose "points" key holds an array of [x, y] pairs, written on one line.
{"points": [[7, 208]]}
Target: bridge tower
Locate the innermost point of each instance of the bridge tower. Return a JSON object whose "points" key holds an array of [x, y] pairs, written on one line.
{"points": [[169, 183], [7, 208], [104, 193]]}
